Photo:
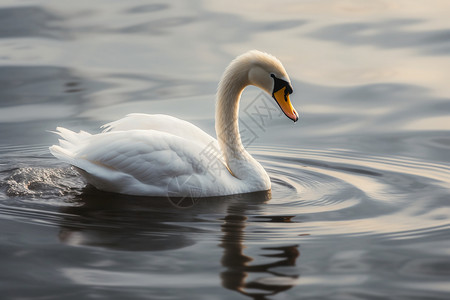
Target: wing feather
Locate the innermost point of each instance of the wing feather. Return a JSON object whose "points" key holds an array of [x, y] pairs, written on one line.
{"points": [[140, 162], [162, 123]]}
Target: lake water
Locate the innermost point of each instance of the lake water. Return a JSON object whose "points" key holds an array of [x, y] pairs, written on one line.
{"points": [[360, 205]]}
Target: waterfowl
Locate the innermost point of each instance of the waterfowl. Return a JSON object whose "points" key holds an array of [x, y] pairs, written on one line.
{"points": [[160, 155]]}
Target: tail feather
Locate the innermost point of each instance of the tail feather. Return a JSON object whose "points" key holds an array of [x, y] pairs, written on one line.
{"points": [[65, 144], [69, 135], [99, 175], [62, 154], [68, 144]]}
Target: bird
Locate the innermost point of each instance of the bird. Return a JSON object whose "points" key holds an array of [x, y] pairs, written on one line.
{"points": [[163, 156]]}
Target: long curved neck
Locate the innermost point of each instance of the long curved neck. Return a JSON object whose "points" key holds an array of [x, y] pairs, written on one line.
{"points": [[233, 82], [241, 164]]}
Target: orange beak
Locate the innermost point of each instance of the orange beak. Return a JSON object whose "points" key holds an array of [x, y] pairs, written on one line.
{"points": [[282, 98]]}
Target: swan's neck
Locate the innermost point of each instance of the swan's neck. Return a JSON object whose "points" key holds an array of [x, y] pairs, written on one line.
{"points": [[227, 117], [241, 164]]}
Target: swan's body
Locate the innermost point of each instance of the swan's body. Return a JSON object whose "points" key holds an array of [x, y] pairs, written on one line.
{"points": [[159, 155]]}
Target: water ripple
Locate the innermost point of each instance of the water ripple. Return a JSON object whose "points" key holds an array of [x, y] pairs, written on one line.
{"points": [[348, 193]]}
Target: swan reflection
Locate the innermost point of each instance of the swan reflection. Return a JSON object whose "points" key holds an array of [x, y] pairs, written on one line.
{"points": [[239, 267], [126, 223]]}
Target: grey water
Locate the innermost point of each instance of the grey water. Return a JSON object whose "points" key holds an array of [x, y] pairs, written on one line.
{"points": [[360, 204]]}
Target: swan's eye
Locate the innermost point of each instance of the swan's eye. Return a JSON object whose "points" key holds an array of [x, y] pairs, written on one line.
{"points": [[279, 84], [286, 94]]}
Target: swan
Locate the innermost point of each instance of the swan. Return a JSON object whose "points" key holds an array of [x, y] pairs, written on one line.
{"points": [[160, 155]]}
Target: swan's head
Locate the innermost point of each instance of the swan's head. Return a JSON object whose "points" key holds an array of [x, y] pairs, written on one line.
{"points": [[267, 73]]}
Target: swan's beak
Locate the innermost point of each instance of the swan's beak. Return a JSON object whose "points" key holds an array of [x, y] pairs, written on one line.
{"points": [[282, 98]]}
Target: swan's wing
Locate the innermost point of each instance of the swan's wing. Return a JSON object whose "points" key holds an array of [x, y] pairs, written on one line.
{"points": [[159, 122], [146, 162]]}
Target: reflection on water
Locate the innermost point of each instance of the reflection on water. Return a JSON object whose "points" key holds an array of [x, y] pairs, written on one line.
{"points": [[389, 34], [239, 266], [35, 21], [122, 223], [125, 223], [130, 223]]}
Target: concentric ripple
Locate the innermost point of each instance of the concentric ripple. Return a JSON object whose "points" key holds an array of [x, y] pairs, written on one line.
{"points": [[358, 194]]}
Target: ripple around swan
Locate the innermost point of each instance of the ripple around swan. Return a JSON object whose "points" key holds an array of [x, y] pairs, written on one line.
{"points": [[331, 192], [347, 193]]}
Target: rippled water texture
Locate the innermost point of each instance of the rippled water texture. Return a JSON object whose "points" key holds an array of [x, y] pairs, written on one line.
{"points": [[359, 207]]}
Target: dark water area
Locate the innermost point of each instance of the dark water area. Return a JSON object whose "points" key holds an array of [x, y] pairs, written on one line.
{"points": [[360, 200]]}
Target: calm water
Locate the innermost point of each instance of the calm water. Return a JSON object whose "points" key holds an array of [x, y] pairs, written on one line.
{"points": [[361, 184]]}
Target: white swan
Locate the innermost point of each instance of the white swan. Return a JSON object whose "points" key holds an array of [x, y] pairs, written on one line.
{"points": [[159, 155]]}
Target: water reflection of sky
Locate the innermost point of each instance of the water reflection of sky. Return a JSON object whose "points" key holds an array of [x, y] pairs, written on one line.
{"points": [[327, 44], [331, 42]]}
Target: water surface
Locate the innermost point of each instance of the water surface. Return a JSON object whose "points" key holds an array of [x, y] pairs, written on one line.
{"points": [[359, 207]]}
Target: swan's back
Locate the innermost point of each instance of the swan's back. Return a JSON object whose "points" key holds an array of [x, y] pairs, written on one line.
{"points": [[162, 123], [146, 162]]}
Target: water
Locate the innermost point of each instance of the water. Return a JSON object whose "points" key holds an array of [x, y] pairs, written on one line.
{"points": [[361, 184]]}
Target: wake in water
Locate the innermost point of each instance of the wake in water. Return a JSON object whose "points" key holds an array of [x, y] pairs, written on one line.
{"points": [[43, 183]]}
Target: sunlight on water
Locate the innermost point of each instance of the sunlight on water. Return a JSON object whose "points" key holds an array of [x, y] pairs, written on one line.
{"points": [[358, 42]]}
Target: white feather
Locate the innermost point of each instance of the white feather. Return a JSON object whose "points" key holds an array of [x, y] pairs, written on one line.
{"points": [[144, 162], [159, 155]]}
